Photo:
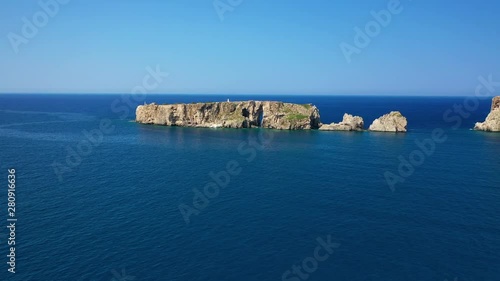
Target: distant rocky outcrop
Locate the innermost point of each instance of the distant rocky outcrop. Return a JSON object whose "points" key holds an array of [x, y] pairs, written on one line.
{"points": [[391, 122], [492, 122], [349, 123], [242, 114]]}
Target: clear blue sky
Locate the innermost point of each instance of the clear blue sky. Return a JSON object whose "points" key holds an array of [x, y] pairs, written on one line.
{"points": [[263, 46]]}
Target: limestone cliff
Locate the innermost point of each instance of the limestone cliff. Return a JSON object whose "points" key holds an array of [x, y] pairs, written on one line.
{"points": [[391, 122], [492, 122], [241, 114], [495, 103], [349, 123]]}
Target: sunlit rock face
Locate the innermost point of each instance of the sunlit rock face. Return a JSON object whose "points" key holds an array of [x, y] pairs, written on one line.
{"points": [[492, 122], [349, 123], [391, 122], [242, 114]]}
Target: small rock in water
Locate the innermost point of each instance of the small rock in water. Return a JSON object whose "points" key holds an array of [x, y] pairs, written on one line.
{"points": [[349, 123], [391, 122]]}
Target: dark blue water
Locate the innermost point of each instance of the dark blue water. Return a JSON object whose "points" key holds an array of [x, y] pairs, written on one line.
{"points": [[111, 210]]}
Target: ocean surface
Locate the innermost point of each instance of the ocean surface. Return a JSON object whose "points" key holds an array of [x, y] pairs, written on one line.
{"points": [[99, 197]]}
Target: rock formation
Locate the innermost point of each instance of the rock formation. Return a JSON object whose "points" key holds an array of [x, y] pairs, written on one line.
{"points": [[391, 122], [492, 122], [243, 114], [349, 123]]}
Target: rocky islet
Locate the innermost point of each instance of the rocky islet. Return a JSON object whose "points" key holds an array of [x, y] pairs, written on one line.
{"points": [[278, 115]]}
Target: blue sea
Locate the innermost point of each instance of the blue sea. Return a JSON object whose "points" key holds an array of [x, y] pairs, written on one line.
{"points": [[99, 197]]}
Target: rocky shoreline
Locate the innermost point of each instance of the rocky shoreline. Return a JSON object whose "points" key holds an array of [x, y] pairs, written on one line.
{"points": [[492, 122], [264, 114], [278, 115], [241, 114]]}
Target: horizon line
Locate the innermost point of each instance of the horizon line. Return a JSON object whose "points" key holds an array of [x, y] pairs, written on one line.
{"points": [[244, 94]]}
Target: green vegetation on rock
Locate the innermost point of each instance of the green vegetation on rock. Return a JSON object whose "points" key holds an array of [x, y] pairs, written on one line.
{"points": [[296, 117]]}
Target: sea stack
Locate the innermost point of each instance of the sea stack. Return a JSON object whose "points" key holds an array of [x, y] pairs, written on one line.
{"points": [[492, 122], [241, 114], [391, 122], [349, 123]]}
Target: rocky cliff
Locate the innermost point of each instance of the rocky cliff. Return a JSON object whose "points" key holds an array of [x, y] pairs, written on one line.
{"points": [[242, 114], [349, 123], [492, 122], [391, 122]]}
